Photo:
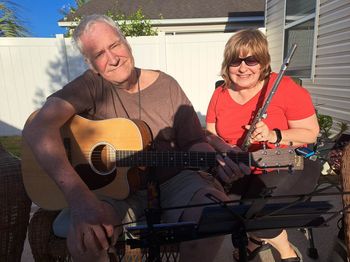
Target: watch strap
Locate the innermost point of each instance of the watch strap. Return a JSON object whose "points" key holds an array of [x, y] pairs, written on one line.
{"points": [[278, 135]]}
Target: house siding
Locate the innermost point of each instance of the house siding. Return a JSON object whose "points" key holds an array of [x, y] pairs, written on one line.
{"points": [[330, 83], [330, 87], [274, 20]]}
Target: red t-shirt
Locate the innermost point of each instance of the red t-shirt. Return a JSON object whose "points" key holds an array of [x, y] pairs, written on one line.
{"points": [[290, 102]]}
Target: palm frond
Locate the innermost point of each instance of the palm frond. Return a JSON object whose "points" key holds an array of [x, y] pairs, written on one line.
{"points": [[10, 24]]}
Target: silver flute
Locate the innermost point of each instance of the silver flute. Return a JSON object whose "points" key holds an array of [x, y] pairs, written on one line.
{"points": [[262, 111]]}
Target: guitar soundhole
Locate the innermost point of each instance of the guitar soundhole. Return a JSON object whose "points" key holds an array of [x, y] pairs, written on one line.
{"points": [[102, 159]]}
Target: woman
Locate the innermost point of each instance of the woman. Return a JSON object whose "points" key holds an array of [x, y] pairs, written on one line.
{"points": [[290, 118]]}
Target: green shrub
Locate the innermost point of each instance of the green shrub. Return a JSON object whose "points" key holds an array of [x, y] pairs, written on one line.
{"points": [[12, 144]]}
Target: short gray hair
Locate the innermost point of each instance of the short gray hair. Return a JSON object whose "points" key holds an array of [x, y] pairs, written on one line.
{"points": [[86, 22]]}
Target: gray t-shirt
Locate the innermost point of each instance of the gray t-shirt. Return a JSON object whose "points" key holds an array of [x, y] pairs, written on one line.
{"points": [[164, 107]]}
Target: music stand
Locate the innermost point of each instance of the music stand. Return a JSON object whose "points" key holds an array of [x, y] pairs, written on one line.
{"points": [[223, 220]]}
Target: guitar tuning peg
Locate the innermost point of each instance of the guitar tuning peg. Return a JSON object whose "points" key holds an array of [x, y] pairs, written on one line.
{"points": [[290, 169], [278, 167], [291, 149], [264, 145]]}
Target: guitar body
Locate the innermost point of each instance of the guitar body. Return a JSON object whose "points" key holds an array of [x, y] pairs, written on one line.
{"points": [[90, 147]]}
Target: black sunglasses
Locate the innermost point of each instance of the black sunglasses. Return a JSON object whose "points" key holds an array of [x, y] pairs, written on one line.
{"points": [[249, 61]]}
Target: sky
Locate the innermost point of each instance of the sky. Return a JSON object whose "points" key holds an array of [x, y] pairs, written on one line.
{"points": [[41, 16]]}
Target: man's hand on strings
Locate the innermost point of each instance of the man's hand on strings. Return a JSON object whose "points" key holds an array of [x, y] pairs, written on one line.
{"points": [[228, 171]]}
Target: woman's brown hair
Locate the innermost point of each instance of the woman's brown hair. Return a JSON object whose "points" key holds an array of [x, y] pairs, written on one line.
{"points": [[243, 42]]}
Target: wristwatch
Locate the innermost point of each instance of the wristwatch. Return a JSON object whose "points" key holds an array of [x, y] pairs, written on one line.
{"points": [[278, 135]]}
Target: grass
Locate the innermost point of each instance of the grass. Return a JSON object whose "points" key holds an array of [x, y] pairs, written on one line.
{"points": [[12, 144]]}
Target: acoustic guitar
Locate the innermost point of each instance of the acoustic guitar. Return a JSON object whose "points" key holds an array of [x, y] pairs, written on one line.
{"points": [[105, 152]]}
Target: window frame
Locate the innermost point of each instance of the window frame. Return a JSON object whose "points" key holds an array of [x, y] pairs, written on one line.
{"points": [[314, 16]]}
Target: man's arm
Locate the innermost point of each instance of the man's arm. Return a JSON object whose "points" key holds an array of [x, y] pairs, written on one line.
{"points": [[43, 137], [90, 218], [215, 141]]}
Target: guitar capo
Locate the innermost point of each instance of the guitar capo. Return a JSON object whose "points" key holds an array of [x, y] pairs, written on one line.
{"points": [[304, 152]]}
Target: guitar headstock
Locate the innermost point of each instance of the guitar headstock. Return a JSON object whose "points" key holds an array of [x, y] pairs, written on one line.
{"points": [[281, 158]]}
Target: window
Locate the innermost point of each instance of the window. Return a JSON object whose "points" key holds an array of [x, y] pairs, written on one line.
{"points": [[299, 29]]}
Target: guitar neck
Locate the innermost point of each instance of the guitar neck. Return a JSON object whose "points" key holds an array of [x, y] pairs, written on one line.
{"points": [[126, 158]]}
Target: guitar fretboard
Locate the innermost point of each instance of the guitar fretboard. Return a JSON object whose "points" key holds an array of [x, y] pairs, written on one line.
{"points": [[126, 158]]}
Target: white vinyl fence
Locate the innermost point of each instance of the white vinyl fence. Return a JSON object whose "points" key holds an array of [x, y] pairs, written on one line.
{"points": [[33, 68]]}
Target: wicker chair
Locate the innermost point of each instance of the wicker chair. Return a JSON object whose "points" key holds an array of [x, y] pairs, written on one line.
{"points": [[14, 208], [47, 247]]}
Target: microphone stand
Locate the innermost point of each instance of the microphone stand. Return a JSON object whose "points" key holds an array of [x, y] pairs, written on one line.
{"points": [[153, 216]]}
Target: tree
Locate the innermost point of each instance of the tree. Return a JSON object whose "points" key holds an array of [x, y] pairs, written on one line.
{"points": [[68, 9], [135, 24], [10, 24]]}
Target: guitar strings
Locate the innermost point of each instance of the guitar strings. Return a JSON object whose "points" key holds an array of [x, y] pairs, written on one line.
{"points": [[173, 158], [170, 154], [148, 156]]}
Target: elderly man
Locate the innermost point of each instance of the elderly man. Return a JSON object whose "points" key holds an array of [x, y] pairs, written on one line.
{"points": [[111, 88]]}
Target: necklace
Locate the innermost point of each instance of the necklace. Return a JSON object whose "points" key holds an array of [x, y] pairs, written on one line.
{"points": [[116, 91]]}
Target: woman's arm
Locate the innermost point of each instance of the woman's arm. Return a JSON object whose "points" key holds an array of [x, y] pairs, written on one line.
{"points": [[304, 131]]}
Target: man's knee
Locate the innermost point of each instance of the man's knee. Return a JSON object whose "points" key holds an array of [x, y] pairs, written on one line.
{"points": [[202, 196]]}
